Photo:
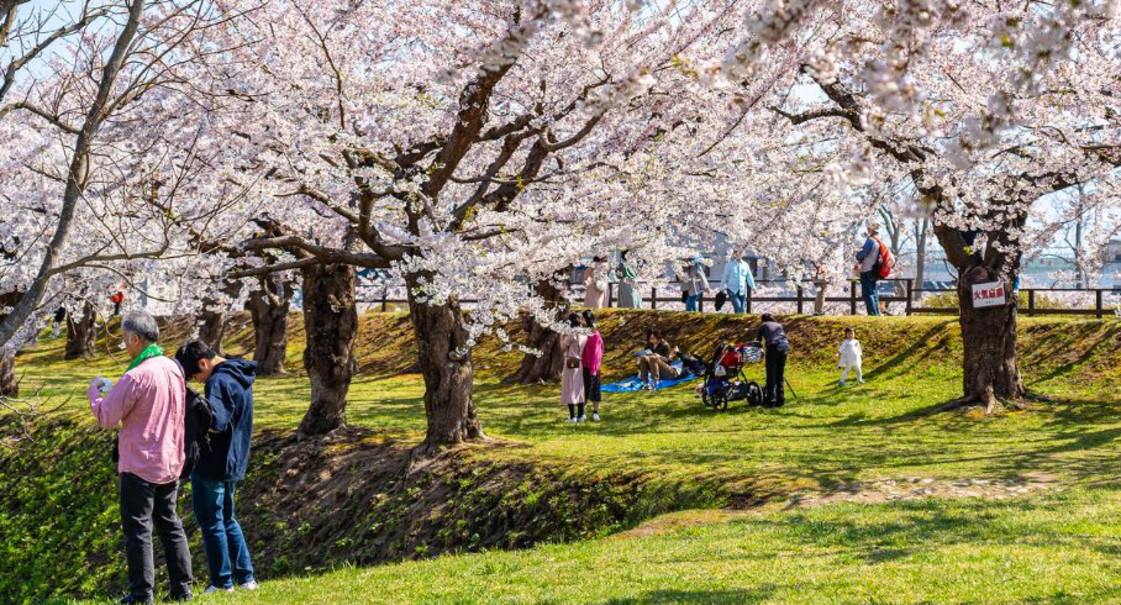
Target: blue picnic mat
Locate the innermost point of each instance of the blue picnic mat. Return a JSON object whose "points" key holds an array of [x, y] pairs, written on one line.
{"points": [[632, 384]]}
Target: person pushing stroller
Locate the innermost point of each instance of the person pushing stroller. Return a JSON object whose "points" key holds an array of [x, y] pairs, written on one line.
{"points": [[773, 337]]}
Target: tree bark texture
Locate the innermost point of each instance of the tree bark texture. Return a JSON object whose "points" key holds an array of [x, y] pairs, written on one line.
{"points": [[9, 384], [546, 367], [269, 308], [212, 328], [445, 363], [990, 371], [80, 334], [331, 325]]}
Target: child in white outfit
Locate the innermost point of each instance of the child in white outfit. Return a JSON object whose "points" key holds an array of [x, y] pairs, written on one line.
{"points": [[851, 357]]}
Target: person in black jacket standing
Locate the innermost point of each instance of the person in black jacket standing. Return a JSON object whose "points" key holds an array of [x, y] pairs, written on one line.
{"points": [[229, 389], [773, 336]]}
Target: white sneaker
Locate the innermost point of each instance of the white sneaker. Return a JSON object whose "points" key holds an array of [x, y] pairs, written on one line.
{"points": [[250, 585], [571, 421], [860, 380], [213, 589], [595, 416], [582, 419]]}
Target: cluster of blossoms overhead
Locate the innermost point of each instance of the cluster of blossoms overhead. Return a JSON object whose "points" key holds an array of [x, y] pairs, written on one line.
{"points": [[473, 149]]}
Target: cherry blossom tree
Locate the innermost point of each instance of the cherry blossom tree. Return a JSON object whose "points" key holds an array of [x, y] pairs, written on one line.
{"points": [[985, 109], [473, 149], [95, 160]]}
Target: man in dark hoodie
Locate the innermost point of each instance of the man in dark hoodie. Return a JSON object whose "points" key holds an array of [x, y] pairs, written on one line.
{"points": [[229, 388]]}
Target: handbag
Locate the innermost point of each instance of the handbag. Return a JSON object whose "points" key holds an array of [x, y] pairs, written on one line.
{"points": [[572, 363], [721, 298]]}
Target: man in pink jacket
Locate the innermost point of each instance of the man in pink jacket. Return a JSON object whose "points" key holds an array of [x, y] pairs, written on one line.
{"points": [[148, 403]]}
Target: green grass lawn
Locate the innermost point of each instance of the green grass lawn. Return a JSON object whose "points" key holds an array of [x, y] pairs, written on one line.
{"points": [[1057, 549], [1055, 545]]}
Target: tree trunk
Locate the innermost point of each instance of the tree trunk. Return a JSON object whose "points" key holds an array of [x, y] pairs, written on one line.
{"points": [[80, 334], [331, 325], [269, 309], [445, 363], [923, 227], [212, 324], [547, 366], [9, 384], [212, 328], [989, 341]]}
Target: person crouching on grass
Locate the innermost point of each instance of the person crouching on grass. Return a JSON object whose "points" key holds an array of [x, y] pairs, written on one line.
{"points": [[851, 357], [229, 389], [150, 404]]}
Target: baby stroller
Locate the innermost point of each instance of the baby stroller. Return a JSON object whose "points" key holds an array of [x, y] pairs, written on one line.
{"points": [[725, 380]]}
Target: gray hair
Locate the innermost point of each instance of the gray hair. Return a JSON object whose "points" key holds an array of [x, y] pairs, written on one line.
{"points": [[143, 325]]}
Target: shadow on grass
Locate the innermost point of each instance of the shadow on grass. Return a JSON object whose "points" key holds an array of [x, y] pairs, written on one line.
{"points": [[903, 360], [714, 597]]}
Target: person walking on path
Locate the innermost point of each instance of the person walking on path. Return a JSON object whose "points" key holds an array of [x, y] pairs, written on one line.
{"points": [[867, 259], [229, 389], [572, 376], [773, 337], [738, 281], [596, 284], [149, 404], [697, 284], [629, 297], [591, 359], [851, 357]]}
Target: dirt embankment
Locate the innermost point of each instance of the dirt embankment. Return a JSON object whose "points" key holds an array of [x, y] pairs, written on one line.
{"points": [[353, 497]]}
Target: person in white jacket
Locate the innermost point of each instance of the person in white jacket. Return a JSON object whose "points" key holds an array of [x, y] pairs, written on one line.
{"points": [[851, 355]]}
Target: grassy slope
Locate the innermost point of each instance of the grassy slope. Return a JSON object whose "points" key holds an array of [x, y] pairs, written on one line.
{"points": [[940, 551], [1057, 549]]}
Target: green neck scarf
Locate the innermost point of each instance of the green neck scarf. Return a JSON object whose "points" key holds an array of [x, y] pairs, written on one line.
{"points": [[148, 353]]}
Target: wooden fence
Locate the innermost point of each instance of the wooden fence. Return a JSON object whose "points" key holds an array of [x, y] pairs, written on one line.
{"points": [[804, 298]]}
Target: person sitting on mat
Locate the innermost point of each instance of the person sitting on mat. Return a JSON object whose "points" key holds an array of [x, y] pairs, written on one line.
{"points": [[654, 362]]}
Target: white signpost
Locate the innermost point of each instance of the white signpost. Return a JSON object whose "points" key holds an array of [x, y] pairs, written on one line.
{"points": [[989, 294]]}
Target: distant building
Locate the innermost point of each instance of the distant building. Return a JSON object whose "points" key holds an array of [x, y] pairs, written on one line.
{"points": [[1113, 252]]}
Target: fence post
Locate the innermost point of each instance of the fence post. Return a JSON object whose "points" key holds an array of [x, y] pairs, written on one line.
{"points": [[610, 294], [910, 294], [747, 302], [1031, 302], [798, 290], [1098, 303], [654, 298], [852, 297], [701, 302]]}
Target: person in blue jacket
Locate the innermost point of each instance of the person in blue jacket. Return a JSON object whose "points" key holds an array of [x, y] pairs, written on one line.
{"points": [[738, 281], [229, 389]]}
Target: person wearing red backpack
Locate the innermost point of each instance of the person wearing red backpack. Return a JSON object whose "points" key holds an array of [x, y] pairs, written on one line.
{"points": [[868, 259]]}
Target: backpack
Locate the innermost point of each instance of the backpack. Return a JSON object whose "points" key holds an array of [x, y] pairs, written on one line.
{"points": [[886, 262], [197, 421]]}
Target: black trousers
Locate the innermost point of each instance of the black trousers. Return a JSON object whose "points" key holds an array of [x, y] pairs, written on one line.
{"points": [[143, 503], [775, 393]]}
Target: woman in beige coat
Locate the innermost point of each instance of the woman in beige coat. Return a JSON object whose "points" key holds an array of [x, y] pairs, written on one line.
{"points": [[572, 376], [596, 284]]}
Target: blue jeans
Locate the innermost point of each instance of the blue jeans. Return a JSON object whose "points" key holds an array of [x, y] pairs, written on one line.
{"points": [[868, 292], [222, 538], [739, 301], [691, 302]]}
